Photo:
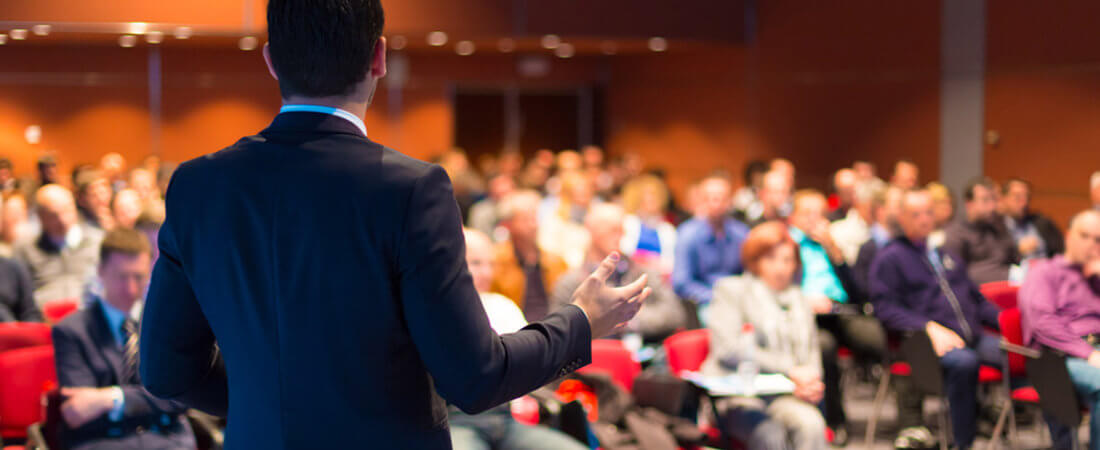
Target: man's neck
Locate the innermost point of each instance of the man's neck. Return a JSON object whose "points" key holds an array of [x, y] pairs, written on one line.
{"points": [[717, 224], [526, 250], [353, 105], [122, 307]]}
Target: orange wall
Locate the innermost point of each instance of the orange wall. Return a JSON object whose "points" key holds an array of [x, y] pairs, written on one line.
{"points": [[1043, 98]]}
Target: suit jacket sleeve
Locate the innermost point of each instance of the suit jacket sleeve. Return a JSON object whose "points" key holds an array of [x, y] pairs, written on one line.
{"points": [[179, 359], [472, 367], [886, 296], [27, 309]]}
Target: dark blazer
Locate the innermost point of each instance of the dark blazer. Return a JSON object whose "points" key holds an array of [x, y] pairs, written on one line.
{"points": [[861, 271], [16, 293], [331, 272], [87, 355]]}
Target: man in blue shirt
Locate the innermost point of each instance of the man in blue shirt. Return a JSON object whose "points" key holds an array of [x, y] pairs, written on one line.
{"points": [[915, 288], [708, 246], [105, 405], [827, 284]]}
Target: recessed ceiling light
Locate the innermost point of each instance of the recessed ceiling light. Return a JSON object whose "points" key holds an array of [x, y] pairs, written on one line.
{"points": [[398, 42], [565, 50], [18, 33], [506, 45], [465, 48], [437, 39], [154, 37], [182, 33], [248, 43], [3, 38], [551, 41], [138, 27], [41, 29], [127, 41], [658, 44]]}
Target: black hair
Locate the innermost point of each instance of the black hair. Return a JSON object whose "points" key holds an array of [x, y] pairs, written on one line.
{"points": [[753, 167], [985, 182], [322, 48], [1004, 187]]}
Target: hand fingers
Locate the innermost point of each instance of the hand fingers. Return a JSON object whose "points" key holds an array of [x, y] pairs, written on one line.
{"points": [[607, 267], [633, 289]]}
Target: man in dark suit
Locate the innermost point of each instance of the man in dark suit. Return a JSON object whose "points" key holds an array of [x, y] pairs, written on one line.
{"points": [[341, 304], [105, 406]]}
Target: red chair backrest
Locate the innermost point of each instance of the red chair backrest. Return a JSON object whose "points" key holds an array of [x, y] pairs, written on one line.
{"points": [[27, 374], [1001, 293], [14, 335], [57, 309], [611, 357], [687, 350], [1014, 334]]}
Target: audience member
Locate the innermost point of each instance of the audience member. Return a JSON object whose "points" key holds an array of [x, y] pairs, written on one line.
{"points": [[774, 200], [854, 229], [164, 175], [844, 187], [105, 406], [47, 170], [144, 182], [648, 238], [8, 183], [906, 174], [484, 215], [93, 199], [662, 313], [943, 212], [708, 246], [917, 288], [767, 299], [885, 206], [148, 223], [63, 257], [468, 185], [127, 207], [981, 239], [1094, 190], [16, 293], [865, 174], [496, 428], [747, 197], [1036, 235], [113, 166], [785, 167], [1060, 303], [15, 226], [524, 272], [560, 230], [151, 164], [826, 283]]}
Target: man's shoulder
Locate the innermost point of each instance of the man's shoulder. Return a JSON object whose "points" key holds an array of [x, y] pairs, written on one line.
{"points": [[73, 325]]}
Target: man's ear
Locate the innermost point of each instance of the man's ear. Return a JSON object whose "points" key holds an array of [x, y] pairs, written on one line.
{"points": [[378, 62], [267, 60]]}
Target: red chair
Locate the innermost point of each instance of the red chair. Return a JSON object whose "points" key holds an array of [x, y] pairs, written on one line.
{"points": [[611, 357], [687, 350], [28, 373], [1012, 340], [56, 310], [14, 335], [1001, 293]]}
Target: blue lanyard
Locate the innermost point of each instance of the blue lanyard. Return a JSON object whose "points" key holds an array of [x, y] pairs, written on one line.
{"points": [[355, 120]]}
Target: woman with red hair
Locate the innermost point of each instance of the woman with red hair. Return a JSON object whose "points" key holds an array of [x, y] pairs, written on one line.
{"points": [[785, 342]]}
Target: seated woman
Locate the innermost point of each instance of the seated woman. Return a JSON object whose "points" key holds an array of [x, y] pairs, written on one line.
{"points": [[786, 342]]}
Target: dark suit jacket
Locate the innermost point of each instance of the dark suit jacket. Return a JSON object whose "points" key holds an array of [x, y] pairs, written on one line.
{"points": [[87, 355], [861, 271], [331, 272], [16, 293]]}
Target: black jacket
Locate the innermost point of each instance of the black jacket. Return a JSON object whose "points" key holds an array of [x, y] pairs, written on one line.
{"points": [[341, 302], [17, 293]]}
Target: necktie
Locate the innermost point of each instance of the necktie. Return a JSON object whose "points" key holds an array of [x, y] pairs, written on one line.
{"points": [[130, 352]]}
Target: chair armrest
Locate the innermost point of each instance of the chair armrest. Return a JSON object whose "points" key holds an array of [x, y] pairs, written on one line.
{"points": [[1019, 349], [35, 439]]}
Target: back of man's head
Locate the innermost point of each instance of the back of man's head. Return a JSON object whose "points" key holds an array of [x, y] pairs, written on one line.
{"points": [[322, 48]]}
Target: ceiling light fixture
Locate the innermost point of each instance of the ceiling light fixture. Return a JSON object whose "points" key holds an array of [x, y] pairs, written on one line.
{"points": [[248, 43], [437, 39], [41, 29], [18, 34], [551, 41], [127, 41], [658, 44]]}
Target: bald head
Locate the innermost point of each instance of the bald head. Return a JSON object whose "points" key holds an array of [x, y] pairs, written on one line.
{"points": [[845, 184], [604, 223], [479, 258], [1083, 237], [56, 210], [916, 218], [127, 207], [906, 175]]}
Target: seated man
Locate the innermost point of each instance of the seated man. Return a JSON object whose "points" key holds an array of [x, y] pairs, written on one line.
{"points": [[62, 259], [1036, 235], [16, 293], [496, 428], [662, 314], [980, 238], [826, 284], [105, 405], [917, 288], [1060, 304], [525, 273], [708, 246]]}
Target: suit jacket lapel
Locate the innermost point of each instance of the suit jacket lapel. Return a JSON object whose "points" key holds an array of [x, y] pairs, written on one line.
{"points": [[105, 340]]}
